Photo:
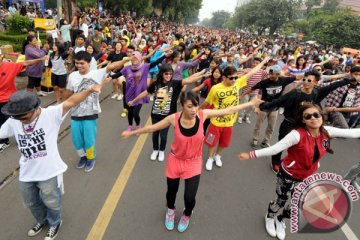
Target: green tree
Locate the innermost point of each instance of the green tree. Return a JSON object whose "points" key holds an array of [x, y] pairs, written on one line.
{"points": [[219, 18], [179, 10], [310, 4], [339, 28], [266, 14], [331, 6]]}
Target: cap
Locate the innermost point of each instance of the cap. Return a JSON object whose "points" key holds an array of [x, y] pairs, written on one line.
{"points": [[20, 103], [276, 69]]}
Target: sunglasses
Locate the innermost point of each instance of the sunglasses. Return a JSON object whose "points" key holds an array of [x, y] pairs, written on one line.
{"points": [[233, 78], [168, 74], [307, 80], [308, 116]]}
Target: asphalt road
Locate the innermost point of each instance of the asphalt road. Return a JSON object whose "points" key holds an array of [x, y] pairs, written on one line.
{"points": [[124, 196]]}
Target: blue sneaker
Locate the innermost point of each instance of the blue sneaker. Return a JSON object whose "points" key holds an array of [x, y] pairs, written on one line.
{"points": [[90, 165], [82, 162], [183, 223], [170, 219]]}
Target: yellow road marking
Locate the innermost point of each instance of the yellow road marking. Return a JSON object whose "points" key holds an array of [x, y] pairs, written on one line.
{"points": [[103, 219]]}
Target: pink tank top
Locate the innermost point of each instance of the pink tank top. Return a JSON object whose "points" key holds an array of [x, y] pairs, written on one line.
{"points": [[184, 147]]}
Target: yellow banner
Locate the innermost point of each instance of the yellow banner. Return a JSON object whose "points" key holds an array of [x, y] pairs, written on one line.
{"points": [[46, 24]]}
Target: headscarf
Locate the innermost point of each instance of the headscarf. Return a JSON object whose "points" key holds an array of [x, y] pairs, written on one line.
{"points": [[139, 58]]}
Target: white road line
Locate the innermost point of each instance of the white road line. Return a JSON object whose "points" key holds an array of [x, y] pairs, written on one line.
{"points": [[350, 235]]}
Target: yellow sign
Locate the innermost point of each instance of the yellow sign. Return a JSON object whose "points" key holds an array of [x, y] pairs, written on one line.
{"points": [[46, 24]]}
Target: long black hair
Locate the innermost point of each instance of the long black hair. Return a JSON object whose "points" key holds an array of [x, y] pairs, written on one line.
{"points": [[163, 69], [212, 76], [61, 50]]}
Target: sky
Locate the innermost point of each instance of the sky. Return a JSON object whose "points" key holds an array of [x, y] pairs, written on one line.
{"points": [[209, 6]]}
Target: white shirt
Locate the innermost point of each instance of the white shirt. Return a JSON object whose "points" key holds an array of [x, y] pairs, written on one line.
{"points": [[78, 83], [85, 28], [40, 159]]}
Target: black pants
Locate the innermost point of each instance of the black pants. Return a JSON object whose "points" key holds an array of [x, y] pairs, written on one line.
{"points": [[134, 114], [284, 129], [191, 187], [284, 190], [162, 133], [3, 119]]}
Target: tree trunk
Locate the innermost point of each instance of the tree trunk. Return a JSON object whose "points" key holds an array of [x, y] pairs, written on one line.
{"points": [[69, 9]]}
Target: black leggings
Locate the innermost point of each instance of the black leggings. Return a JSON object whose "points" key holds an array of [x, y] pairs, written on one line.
{"points": [[284, 190], [134, 114], [162, 133], [191, 187]]}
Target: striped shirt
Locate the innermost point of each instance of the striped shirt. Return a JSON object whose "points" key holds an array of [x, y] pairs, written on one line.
{"points": [[294, 71], [257, 77]]}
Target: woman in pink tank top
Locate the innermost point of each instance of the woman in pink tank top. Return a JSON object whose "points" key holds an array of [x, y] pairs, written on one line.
{"points": [[185, 157]]}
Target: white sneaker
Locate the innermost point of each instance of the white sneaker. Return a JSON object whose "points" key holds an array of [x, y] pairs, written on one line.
{"points": [[281, 111], [152, 98], [114, 96], [209, 164], [3, 146], [280, 229], [161, 156], [119, 97], [240, 120], [154, 155], [41, 94], [270, 226], [247, 120], [218, 161]]}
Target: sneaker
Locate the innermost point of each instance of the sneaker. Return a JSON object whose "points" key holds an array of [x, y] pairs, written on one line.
{"points": [[36, 229], [129, 128], [270, 226], [114, 96], [119, 97], [240, 120], [254, 143], [3, 146], [41, 94], [123, 113], [90, 164], [280, 229], [53, 232], [183, 223], [152, 98], [275, 168], [247, 120], [209, 164], [170, 219], [154, 155], [218, 161], [82, 162], [161, 156], [265, 144]]}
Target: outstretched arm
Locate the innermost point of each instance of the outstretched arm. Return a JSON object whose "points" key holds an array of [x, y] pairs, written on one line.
{"points": [[166, 122]]}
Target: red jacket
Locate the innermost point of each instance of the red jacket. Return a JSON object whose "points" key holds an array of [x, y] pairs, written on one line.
{"points": [[299, 162]]}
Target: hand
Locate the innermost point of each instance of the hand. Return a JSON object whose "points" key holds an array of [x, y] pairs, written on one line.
{"points": [[257, 110], [126, 134], [256, 101], [330, 109], [267, 58], [126, 59], [244, 156], [169, 53], [130, 103], [70, 50]]}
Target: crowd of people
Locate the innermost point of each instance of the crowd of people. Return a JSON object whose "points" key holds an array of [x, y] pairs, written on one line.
{"points": [[219, 77]]}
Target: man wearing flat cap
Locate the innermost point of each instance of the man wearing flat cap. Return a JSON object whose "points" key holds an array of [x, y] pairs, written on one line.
{"points": [[36, 131]]}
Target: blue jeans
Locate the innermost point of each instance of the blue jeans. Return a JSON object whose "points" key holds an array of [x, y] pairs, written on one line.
{"points": [[43, 199]]}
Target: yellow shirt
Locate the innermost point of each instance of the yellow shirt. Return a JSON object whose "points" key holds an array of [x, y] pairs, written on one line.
{"points": [[221, 97]]}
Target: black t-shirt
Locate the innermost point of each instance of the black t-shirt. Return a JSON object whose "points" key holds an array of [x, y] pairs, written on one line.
{"points": [[166, 95], [114, 57], [272, 89]]}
